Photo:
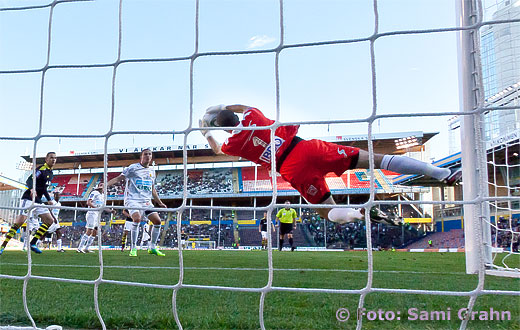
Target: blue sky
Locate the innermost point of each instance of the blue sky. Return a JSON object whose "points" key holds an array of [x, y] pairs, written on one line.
{"points": [[415, 73]]}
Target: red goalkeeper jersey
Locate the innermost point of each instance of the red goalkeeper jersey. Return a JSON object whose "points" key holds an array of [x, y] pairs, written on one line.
{"points": [[256, 145]]}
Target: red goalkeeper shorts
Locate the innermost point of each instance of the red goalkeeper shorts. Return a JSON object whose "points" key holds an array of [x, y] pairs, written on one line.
{"points": [[307, 164]]}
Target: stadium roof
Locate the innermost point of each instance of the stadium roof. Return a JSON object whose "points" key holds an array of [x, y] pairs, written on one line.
{"points": [[202, 153], [502, 148], [9, 184]]}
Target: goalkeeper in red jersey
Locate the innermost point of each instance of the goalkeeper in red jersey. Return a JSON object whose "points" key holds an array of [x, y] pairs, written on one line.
{"points": [[304, 163]]}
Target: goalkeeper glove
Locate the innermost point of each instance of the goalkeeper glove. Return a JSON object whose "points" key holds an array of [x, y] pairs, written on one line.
{"points": [[204, 132]]}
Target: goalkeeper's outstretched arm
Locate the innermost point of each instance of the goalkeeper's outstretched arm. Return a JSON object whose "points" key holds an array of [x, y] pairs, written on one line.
{"points": [[214, 144], [209, 120]]}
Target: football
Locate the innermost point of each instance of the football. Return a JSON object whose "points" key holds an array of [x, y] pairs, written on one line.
{"points": [[210, 117]]}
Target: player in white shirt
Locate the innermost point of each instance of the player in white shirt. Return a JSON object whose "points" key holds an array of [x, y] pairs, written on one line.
{"points": [[32, 225], [55, 227], [139, 191], [95, 199], [126, 228], [145, 236]]}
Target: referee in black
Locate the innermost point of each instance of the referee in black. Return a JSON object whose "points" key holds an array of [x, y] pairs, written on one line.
{"points": [[286, 217]]}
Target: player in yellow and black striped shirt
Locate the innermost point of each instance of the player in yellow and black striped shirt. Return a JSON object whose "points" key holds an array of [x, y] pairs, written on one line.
{"points": [[43, 175]]}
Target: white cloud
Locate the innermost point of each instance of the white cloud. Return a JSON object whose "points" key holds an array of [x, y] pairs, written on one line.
{"points": [[259, 41]]}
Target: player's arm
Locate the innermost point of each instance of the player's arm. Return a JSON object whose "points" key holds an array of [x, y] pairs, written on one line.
{"points": [[213, 143], [156, 198], [90, 203], [116, 180], [29, 184], [260, 227], [48, 197]]}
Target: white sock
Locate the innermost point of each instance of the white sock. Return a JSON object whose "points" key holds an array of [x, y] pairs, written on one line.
{"points": [[407, 165], [26, 242], [89, 241], [344, 215], [134, 232], [58, 242], [83, 241], [156, 230]]}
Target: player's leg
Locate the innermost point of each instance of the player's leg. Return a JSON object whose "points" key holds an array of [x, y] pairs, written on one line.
{"points": [[291, 241], [90, 225], [126, 230], [346, 215], [18, 222], [264, 239], [91, 236], [83, 240], [59, 239], [407, 165], [47, 239], [134, 232], [280, 243], [339, 215], [123, 238], [156, 231], [47, 221], [306, 166]]}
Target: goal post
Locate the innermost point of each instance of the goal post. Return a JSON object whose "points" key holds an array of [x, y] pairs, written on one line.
{"points": [[199, 245], [474, 167], [483, 147]]}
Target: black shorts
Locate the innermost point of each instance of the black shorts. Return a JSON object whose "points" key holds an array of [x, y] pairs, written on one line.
{"points": [[286, 228]]}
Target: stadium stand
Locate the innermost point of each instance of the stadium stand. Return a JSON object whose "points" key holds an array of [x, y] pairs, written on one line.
{"points": [[263, 180], [116, 190], [67, 185], [208, 181], [450, 239], [249, 236], [352, 235]]}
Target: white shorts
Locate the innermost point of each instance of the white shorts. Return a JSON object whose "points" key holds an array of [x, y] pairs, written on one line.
{"points": [[128, 225], [132, 205], [55, 226], [36, 211], [264, 235], [92, 219]]}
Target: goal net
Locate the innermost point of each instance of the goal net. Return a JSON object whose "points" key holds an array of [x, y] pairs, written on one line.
{"points": [[489, 160], [199, 244]]}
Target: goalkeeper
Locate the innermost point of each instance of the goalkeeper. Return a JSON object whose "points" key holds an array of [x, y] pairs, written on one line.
{"points": [[304, 163]]}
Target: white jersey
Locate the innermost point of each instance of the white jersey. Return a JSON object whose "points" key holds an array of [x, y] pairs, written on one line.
{"points": [[97, 198], [56, 212], [139, 182]]}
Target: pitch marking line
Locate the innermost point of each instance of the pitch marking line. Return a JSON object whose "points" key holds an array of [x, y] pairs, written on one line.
{"points": [[241, 269]]}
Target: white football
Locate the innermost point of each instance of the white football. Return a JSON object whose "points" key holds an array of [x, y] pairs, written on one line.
{"points": [[210, 117]]}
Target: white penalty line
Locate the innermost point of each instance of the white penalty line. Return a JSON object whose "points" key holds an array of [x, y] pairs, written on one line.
{"points": [[243, 269]]}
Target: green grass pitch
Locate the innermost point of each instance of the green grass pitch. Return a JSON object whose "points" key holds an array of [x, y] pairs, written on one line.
{"points": [[123, 307]]}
